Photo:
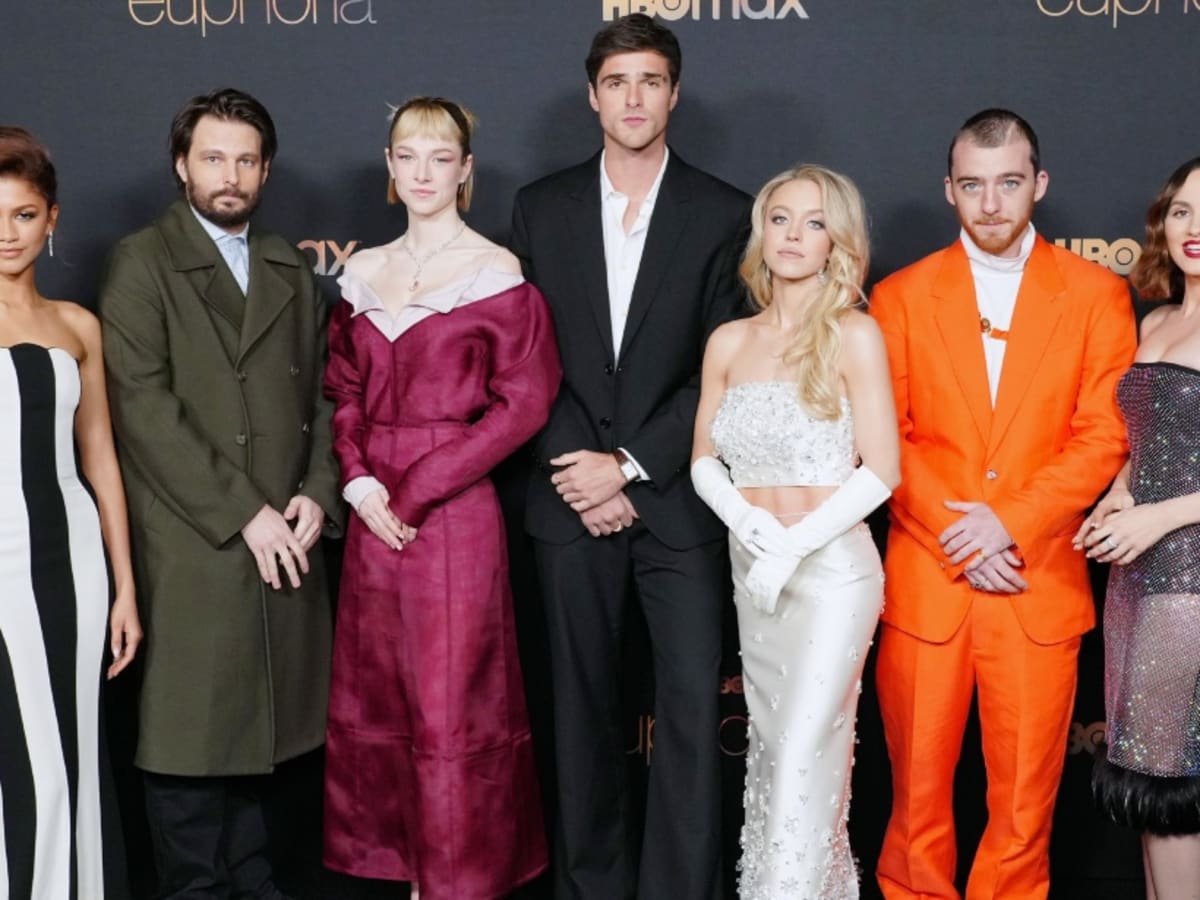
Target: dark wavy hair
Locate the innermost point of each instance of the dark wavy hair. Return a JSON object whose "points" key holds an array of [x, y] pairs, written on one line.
{"points": [[634, 33], [25, 157], [1155, 275], [229, 104]]}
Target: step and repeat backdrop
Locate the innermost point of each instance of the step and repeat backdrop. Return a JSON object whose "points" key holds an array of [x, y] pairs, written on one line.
{"points": [[873, 88]]}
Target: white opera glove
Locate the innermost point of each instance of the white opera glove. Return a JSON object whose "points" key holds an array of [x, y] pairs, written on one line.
{"points": [[853, 501], [755, 528]]}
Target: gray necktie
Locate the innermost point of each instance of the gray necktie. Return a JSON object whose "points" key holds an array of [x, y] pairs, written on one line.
{"points": [[237, 257]]}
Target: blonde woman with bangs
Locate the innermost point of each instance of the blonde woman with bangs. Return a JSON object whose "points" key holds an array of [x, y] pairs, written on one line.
{"points": [[795, 444], [442, 362]]}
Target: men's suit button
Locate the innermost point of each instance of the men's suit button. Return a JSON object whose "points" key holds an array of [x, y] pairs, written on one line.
{"points": [[991, 475], [241, 376], [608, 370], [240, 440], [606, 422], [294, 370]]}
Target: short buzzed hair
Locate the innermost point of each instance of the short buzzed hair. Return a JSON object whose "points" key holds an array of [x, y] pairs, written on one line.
{"points": [[994, 128]]}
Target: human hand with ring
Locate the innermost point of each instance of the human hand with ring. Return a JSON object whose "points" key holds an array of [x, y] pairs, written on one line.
{"points": [[1114, 501], [1126, 534], [997, 574]]}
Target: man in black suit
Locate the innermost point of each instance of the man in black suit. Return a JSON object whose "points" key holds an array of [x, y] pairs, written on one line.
{"points": [[636, 252]]}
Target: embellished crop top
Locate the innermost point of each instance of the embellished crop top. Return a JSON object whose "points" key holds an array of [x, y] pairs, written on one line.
{"points": [[768, 439]]}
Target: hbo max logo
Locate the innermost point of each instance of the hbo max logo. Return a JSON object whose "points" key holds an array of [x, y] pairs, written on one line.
{"points": [[705, 9], [1119, 255]]}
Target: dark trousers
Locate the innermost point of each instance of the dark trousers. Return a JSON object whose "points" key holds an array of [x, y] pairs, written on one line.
{"points": [[209, 838], [585, 585]]}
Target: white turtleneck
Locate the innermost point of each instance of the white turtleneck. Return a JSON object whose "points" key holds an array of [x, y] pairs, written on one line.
{"points": [[997, 281]]}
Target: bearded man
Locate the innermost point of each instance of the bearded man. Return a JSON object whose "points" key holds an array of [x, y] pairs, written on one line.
{"points": [[214, 342], [1005, 352]]}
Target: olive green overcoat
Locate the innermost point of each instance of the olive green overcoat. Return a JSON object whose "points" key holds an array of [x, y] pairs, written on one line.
{"points": [[217, 408]]}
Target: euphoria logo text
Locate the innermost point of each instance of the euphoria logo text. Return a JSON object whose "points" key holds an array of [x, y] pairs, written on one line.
{"points": [[207, 14], [707, 9], [1114, 10], [1119, 255]]}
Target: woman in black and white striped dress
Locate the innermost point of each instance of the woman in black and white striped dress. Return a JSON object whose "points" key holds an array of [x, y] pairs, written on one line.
{"points": [[54, 585]]}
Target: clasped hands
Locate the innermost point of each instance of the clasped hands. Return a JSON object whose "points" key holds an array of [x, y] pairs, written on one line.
{"points": [[980, 533], [385, 524], [1118, 531], [275, 543], [591, 483]]}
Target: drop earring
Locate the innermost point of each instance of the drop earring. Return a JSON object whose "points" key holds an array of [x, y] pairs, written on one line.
{"points": [[823, 275], [50, 242]]}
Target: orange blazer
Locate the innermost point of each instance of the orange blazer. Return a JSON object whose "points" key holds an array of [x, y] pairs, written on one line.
{"points": [[1053, 442]]}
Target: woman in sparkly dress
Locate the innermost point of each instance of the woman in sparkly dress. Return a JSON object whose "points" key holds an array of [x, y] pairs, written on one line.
{"points": [[442, 363], [790, 400], [1148, 527]]}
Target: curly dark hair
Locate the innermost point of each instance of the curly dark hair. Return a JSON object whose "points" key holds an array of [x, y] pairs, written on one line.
{"points": [[24, 156], [1155, 275]]}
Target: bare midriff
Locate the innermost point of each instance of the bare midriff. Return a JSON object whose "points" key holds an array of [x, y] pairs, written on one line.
{"points": [[788, 503]]}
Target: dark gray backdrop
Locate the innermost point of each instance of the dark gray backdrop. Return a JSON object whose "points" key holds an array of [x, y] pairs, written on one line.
{"points": [[874, 88]]}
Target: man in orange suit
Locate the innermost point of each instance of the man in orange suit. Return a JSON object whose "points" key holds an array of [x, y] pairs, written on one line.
{"points": [[1005, 353]]}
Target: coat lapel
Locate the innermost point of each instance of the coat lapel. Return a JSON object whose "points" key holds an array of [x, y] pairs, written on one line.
{"points": [[269, 292], [667, 224], [1035, 318], [957, 316], [193, 253], [586, 227]]}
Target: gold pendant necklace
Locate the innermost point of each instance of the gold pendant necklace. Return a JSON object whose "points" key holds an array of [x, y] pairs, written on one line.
{"points": [[420, 263]]}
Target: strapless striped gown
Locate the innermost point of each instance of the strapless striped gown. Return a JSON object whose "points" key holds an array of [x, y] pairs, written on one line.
{"points": [[54, 599]]}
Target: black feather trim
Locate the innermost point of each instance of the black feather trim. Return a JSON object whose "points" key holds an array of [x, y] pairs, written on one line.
{"points": [[1159, 805]]}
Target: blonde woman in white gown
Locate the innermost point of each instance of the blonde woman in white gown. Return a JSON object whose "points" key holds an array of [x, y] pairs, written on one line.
{"points": [[795, 443]]}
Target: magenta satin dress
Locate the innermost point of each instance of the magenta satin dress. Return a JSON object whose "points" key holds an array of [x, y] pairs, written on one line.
{"points": [[429, 763]]}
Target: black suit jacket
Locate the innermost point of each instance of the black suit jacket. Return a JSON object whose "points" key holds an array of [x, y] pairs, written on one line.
{"points": [[645, 400]]}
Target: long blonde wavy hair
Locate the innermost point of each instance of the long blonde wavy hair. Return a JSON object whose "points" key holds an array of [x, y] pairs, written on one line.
{"points": [[812, 352]]}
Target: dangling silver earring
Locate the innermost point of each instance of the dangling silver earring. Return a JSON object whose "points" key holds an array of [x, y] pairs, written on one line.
{"points": [[823, 275], [50, 241]]}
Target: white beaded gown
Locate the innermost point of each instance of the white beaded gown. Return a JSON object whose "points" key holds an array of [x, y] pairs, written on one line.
{"points": [[60, 838], [802, 665]]}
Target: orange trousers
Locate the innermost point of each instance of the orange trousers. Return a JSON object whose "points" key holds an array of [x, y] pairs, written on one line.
{"points": [[1026, 698]]}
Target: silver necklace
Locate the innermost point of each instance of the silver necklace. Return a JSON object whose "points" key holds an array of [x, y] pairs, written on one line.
{"points": [[416, 279]]}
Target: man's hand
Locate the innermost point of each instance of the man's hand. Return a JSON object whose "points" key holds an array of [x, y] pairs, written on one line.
{"points": [[272, 543], [610, 516], [998, 574], [589, 479], [978, 531], [378, 516], [310, 518]]}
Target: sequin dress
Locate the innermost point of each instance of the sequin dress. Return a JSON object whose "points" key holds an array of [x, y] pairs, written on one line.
{"points": [[802, 665], [1151, 777]]}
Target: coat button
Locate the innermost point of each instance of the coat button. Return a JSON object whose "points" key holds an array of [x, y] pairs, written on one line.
{"points": [[608, 369], [304, 428], [241, 376], [606, 422], [240, 440], [991, 475], [294, 370]]}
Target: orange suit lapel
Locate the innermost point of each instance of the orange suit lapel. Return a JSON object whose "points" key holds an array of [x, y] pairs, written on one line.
{"points": [[957, 316], [1036, 317]]}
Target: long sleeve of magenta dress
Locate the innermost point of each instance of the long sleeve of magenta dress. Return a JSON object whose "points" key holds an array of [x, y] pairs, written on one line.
{"points": [[429, 762]]}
